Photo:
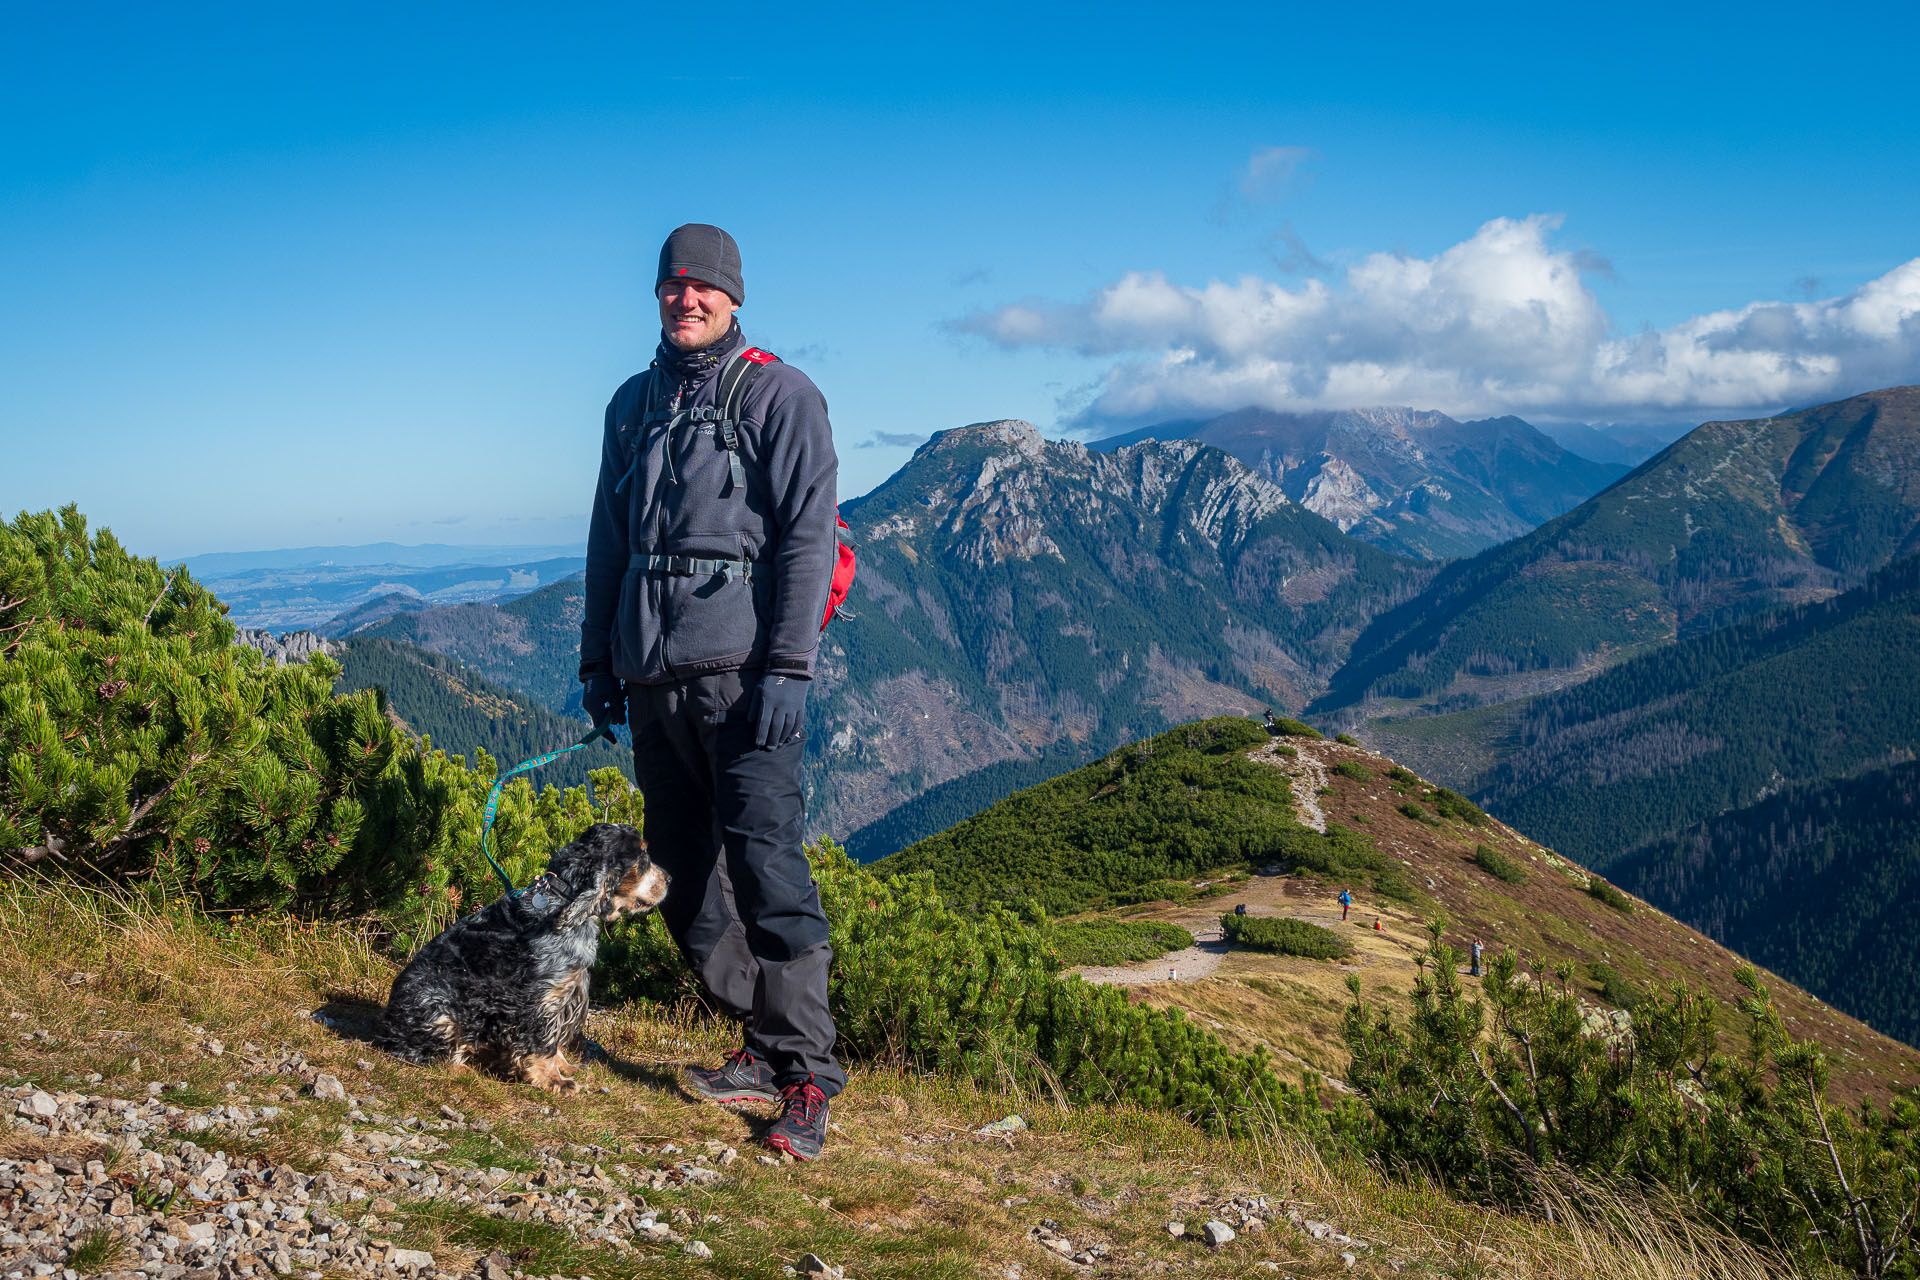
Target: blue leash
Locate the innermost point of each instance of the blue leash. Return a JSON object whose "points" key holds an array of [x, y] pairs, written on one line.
{"points": [[493, 797]]}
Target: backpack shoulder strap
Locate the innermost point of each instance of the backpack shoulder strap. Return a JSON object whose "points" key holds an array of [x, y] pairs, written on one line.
{"points": [[731, 396]]}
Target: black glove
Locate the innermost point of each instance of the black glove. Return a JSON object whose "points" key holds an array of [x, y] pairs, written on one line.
{"points": [[605, 701], [779, 710]]}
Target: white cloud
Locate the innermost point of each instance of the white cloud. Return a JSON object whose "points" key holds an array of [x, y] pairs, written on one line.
{"points": [[1501, 322]]}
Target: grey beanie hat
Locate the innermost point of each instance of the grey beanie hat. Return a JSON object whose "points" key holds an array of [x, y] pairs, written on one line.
{"points": [[702, 252]]}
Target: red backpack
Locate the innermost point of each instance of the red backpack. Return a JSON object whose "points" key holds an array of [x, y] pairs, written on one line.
{"points": [[735, 380]]}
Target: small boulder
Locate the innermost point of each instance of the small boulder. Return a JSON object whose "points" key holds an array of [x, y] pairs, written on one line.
{"points": [[698, 1249], [1010, 1124], [1217, 1233], [1176, 1229], [328, 1088]]}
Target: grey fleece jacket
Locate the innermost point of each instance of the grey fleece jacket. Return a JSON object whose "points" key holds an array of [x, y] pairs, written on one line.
{"points": [[677, 499]]}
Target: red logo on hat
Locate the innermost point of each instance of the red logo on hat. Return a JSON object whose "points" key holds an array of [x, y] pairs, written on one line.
{"points": [[682, 271]]}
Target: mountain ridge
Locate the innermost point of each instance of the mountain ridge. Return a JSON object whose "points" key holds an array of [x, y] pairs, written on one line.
{"points": [[1412, 481], [1732, 519]]}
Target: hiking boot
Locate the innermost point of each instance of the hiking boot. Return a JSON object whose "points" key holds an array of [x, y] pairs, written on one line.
{"points": [[744, 1078], [802, 1126]]}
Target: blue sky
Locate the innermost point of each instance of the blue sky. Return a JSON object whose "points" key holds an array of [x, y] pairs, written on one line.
{"points": [[271, 277]]}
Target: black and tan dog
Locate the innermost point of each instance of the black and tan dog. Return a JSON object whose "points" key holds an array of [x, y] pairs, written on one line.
{"points": [[506, 987]]}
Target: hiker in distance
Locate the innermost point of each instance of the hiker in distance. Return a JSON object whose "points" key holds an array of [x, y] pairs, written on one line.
{"points": [[709, 559]]}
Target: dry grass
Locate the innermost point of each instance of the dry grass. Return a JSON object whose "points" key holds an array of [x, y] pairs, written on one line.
{"points": [[907, 1190]]}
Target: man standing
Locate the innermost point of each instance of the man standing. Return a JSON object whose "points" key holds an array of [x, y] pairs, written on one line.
{"points": [[1346, 902], [708, 564]]}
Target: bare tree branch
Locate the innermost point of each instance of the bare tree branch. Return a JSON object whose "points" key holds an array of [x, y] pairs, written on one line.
{"points": [[165, 584]]}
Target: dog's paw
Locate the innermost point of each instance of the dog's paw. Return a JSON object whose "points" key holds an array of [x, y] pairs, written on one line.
{"points": [[565, 1084]]}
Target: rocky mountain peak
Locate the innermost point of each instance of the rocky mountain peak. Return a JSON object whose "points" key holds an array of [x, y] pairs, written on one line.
{"points": [[1001, 432]]}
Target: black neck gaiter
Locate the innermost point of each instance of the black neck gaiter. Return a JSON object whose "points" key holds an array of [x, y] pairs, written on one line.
{"points": [[691, 368]]}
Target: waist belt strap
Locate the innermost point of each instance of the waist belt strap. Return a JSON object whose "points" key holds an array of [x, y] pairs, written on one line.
{"points": [[690, 567]]}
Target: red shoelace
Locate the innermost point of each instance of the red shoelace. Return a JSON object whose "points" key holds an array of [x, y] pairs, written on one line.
{"points": [[807, 1098]]}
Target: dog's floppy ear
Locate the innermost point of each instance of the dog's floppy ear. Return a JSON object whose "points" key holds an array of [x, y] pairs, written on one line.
{"points": [[585, 905]]}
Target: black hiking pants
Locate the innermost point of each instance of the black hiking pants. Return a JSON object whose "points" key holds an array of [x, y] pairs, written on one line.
{"points": [[725, 819]]}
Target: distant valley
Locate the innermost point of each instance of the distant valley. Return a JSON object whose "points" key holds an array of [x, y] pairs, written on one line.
{"points": [[311, 588]]}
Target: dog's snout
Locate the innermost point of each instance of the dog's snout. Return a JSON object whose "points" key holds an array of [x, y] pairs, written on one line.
{"points": [[653, 886]]}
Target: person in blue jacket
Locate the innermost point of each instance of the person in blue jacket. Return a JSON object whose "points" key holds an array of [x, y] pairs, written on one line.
{"points": [[1346, 902], [709, 557]]}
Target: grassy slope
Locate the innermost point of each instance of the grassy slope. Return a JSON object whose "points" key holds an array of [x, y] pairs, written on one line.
{"points": [[103, 998], [1293, 1006]]}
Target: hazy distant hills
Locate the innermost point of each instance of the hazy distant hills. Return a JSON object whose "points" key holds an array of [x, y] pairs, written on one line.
{"points": [[1022, 599], [1735, 518], [217, 565], [311, 595], [1627, 445], [1411, 481]]}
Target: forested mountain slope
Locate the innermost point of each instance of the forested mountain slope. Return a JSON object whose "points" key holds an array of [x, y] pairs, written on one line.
{"points": [[1716, 722], [1733, 519], [1819, 883], [1411, 481], [530, 643], [1018, 597], [462, 711]]}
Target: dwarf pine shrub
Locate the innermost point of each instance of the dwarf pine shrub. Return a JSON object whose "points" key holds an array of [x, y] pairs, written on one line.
{"points": [[1154, 891], [1104, 942], [141, 746], [1498, 864], [1355, 770], [1451, 804], [1285, 937], [1487, 1095], [1608, 894]]}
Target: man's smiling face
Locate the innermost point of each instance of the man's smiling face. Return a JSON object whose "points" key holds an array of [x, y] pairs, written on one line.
{"points": [[693, 313]]}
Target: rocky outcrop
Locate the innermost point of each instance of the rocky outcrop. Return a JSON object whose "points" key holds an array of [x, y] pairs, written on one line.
{"points": [[294, 646]]}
